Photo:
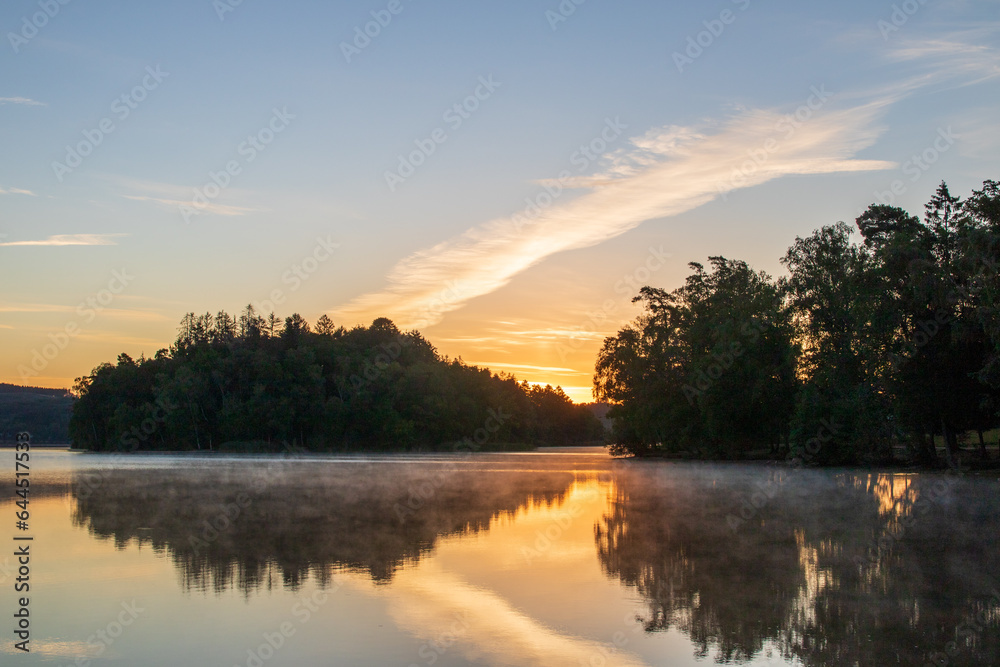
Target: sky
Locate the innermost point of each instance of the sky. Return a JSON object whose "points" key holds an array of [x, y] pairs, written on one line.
{"points": [[502, 176]]}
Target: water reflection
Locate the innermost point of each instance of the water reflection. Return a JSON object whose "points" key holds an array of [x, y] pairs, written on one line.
{"points": [[499, 625], [277, 523], [746, 562], [827, 568]]}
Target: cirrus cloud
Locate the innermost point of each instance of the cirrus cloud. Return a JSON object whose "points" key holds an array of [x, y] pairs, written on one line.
{"points": [[70, 240], [26, 101], [668, 171], [665, 172]]}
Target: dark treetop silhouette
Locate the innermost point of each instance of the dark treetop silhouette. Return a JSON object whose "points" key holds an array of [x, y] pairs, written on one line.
{"points": [[255, 384], [865, 348]]}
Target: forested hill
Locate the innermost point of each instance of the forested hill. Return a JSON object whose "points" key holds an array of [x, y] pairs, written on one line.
{"points": [[258, 383], [44, 413]]}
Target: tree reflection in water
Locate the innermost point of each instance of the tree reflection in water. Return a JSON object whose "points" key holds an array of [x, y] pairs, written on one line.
{"points": [[824, 567], [302, 519], [832, 568]]}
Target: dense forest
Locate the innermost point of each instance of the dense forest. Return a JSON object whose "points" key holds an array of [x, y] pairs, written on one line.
{"points": [[252, 383], [864, 352], [44, 413]]}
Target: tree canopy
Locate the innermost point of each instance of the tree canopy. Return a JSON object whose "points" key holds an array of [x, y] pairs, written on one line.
{"points": [[254, 382], [864, 347]]}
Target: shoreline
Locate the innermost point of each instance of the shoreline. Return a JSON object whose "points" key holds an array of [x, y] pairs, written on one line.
{"points": [[976, 469]]}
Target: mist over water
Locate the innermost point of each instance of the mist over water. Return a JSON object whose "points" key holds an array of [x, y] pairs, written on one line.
{"points": [[556, 558]]}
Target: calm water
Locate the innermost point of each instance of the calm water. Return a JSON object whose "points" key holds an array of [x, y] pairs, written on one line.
{"points": [[550, 558]]}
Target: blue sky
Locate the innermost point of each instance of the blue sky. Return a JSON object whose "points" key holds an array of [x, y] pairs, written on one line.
{"points": [[309, 134]]}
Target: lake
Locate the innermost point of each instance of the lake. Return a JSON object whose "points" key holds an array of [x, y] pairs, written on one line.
{"points": [[561, 557]]}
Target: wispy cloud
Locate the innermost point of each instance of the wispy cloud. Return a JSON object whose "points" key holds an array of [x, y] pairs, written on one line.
{"points": [[210, 207], [175, 197], [958, 57], [548, 369], [16, 191], [504, 340], [35, 308], [21, 100], [113, 337], [665, 172], [122, 314], [70, 239]]}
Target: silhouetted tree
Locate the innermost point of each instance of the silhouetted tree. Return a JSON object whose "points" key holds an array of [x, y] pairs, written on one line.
{"points": [[325, 326], [708, 367]]}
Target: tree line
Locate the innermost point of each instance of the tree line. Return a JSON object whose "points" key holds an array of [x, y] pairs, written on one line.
{"points": [[256, 383], [865, 351]]}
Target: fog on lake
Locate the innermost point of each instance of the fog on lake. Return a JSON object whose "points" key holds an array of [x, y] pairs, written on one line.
{"points": [[562, 557]]}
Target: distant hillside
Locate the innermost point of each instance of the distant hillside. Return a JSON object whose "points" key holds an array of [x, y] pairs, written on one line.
{"points": [[42, 412], [600, 410]]}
